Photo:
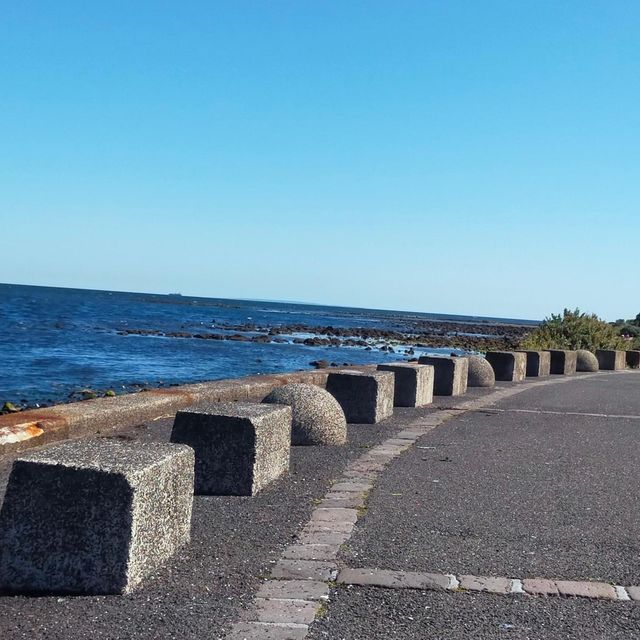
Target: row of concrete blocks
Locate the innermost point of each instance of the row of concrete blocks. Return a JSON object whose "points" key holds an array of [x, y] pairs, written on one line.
{"points": [[98, 516], [515, 366]]}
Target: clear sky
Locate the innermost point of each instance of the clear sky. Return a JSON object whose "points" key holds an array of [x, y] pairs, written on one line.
{"points": [[478, 157]]}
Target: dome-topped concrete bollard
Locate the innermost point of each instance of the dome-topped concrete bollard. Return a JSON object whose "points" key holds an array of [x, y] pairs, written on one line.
{"points": [[450, 374], [317, 417], [633, 359], [611, 360], [240, 447], [94, 516], [586, 361], [509, 366], [480, 372], [364, 397], [538, 363], [413, 383], [563, 361]]}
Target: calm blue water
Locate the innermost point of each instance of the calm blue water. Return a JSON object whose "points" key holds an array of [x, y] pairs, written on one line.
{"points": [[56, 341]]}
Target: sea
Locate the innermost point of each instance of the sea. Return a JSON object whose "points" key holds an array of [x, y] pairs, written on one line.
{"points": [[63, 344]]}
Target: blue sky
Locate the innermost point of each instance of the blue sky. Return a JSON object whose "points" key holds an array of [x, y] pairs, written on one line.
{"points": [[477, 157]]}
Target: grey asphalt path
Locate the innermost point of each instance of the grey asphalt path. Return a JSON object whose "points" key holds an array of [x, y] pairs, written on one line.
{"points": [[381, 614], [507, 493], [208, 585]]}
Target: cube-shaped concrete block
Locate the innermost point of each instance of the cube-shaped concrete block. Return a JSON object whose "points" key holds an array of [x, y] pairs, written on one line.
{"points": [[364, 397], [94, 516], [633, 359], [413, 383], [509, 366], [611, 360], [563, 361], [240, 447], [538, 363], [450, 375]]}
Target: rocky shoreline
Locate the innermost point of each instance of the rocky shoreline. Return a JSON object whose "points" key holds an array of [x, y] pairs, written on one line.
{"points": [[455, 335], [404, 340]]}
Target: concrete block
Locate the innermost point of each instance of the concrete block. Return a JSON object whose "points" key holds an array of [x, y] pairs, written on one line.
{"points": [[364, 397], [563, 361], [538, 363], [633, 359], [480, 372], [94, 516], [413, 383], [508, 366], [611, 360], [586, 361], [450, 374], [239, 447]]}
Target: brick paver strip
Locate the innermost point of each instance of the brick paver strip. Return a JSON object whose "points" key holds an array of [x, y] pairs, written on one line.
{"points": [[355, 502], [324, 526], [394, 579], [267, 631], [323, 537], [294, 589], [311, 552], [333, 514], [485, 583], [634, 593], [586, 589], [351, 486], [540, 587], [304, 570], [290, 611]]}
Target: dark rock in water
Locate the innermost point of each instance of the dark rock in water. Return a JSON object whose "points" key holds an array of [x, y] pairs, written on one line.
{"points": [[262, 338], [9, 407], [238, 338], [319, 364]]}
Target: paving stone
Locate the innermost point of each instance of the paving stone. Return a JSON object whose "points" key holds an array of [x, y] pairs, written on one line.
{"points": [[267, 631], [540, 587], [291, 611], [324, 526], [634, 592], [351, 486], [334, 515], [240, 447], [94, 516], [311, 552], [357, 475], [294, 589], [355, 502], [394, 579], [324, 538], [413, 383], [365, 398], [450, 374], [586, 589], [304, 570], [345, 495], [485, 583]]}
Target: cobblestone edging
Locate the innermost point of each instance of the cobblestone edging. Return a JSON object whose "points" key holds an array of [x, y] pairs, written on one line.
{"points": [[298, 588], [487, 584]]}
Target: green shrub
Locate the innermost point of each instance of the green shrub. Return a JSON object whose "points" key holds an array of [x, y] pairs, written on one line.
{"points": [[574, 330]]}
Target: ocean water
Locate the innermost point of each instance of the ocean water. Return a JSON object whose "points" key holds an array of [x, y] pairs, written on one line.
{"points": [[55, 342]]}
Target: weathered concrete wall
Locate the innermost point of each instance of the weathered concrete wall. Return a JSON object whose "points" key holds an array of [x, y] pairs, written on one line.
{"points": [[32, 428]]}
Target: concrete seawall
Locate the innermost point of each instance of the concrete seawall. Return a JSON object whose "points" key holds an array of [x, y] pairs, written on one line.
{"points": [[35, 427]]}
